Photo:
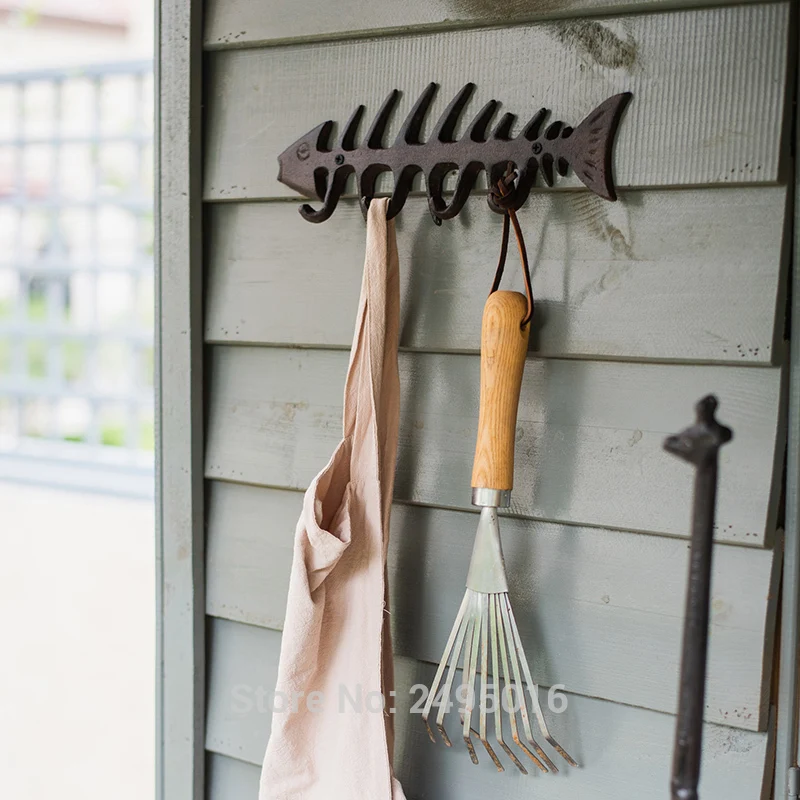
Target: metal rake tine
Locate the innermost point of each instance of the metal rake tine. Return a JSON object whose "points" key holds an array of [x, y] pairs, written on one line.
{"points": [[485, 599], [442, 667], [461, 642], [498, 711], [533, 689], [507, 691], [448, 687], [526, 723], [468, 680]]}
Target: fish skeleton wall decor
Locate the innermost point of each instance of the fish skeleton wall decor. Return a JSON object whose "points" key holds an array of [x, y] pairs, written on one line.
{"points": [[314, 168]]}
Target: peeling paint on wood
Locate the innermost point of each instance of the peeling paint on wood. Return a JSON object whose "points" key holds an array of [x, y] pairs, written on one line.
{"points": [[599, 42], [247, 23]]}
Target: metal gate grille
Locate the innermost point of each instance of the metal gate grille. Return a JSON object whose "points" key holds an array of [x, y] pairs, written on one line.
{"points": [[76, 277]]}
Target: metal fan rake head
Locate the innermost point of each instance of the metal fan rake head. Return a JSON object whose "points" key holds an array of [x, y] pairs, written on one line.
{"points": [[485, 637], [485, 634]]}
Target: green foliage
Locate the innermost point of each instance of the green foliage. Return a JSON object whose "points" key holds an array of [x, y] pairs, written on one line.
{"points": [[37, 358], [74, 360], [37, 307], [112, 435]]}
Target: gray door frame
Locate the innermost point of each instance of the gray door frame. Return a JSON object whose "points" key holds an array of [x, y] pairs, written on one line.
{"points": [[179, 404]]}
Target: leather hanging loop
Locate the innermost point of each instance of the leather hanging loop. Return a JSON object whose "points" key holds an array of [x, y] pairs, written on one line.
{"points": [[503, 198]]}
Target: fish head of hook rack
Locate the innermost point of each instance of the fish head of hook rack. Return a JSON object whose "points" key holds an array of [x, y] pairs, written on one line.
{"points": [[299, 165]]}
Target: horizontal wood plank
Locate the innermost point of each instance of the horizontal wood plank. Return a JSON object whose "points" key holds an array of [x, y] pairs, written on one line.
{"points": [[589, 439], [686, 275], [708, 86], [230, 779], [601, 611], [249, 23], [624, 751]]}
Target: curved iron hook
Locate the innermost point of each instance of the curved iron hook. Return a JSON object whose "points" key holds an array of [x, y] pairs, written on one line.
{"points": [[464, 186], [335, 189]]}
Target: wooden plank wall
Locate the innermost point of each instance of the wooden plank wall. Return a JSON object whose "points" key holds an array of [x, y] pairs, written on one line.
{"points": [[621, 748], [679, 131], [642, 307], [249, 23]]}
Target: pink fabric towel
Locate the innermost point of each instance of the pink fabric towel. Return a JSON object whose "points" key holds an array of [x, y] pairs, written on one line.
{"points": [[331, 736]]}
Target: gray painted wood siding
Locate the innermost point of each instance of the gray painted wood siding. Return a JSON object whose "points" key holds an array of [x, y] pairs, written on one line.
{"points": [[690, 275], [611, 629], [230, 778], [643, 306], [621, 749], [678, 130], [249, 23], [589, 434]]}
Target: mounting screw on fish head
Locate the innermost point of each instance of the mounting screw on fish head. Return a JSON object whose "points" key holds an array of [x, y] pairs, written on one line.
{"points": [[304, 151]]}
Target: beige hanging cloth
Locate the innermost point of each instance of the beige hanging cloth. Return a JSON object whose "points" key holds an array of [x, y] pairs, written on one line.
{"points": [[331, 738]]}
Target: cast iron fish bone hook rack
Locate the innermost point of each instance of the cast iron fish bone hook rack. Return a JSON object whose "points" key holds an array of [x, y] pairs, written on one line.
{"points": [[315, 168]]}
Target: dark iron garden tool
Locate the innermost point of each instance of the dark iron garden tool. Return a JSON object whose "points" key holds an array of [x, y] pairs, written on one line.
{"points": [[699, 445], [485, 628]]}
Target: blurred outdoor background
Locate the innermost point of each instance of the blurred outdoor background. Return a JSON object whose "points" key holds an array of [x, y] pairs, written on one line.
{"points": [[77, 677]]}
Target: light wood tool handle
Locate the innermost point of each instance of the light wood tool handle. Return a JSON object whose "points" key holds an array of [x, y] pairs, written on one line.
{"points": [[503, 348]]}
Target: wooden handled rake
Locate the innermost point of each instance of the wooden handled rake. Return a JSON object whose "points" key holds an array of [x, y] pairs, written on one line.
{"points": [[485, 631]]}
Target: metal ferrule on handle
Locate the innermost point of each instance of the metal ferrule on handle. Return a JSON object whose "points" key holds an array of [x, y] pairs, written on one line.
{"points": [[491, 498], [504, 345]]}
